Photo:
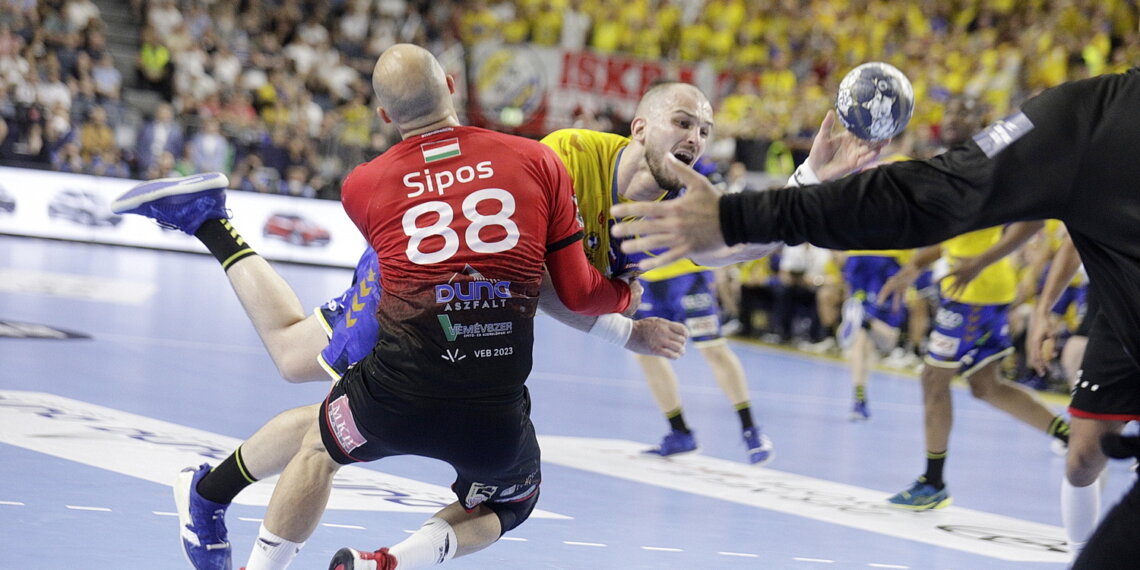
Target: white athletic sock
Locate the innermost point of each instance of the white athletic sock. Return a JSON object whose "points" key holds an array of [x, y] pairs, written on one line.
{"points": [[434, 543], [1080, 512], [271, 552]]}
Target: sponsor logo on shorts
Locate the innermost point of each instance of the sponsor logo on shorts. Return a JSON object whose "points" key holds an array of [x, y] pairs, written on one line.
{"points": [[943, 345], [479, 493], [948, 319], [696, 301], [344, 425], [703, 326]]}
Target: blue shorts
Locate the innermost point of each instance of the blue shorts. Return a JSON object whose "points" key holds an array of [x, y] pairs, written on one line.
{"points": [[688, 299], [967, 337], [1072, 305], [865, 276], [926, 286], [350, 320]]}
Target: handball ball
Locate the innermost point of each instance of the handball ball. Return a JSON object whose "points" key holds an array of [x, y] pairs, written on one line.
{"points": [[875, 101]]}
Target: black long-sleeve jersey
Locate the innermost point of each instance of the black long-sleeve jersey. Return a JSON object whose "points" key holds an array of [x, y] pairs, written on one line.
{"points": [[1073, 153]]}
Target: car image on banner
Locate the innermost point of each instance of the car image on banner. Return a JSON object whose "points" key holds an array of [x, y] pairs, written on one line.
{"points": [[83, 207], [296, 230], [7, 202]]}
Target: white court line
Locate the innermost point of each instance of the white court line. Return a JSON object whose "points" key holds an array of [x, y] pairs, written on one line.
{"points": [[83, 508], [661, 549], [574, 543], [739, 554], [164, 513], [820, 560], [104, 289], [877, 565], [348, 526], [513, 538], [976, 532], [152, 449], [12, 503]]}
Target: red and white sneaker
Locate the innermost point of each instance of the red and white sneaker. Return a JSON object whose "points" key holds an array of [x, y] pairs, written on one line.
{"points": [[351, 559]]}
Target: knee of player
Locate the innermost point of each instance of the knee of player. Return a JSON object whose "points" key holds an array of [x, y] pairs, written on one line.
{"points": [[1083, 464], [511, 514], [981, 390]]}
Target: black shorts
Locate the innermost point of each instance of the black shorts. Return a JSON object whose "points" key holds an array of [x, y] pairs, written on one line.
{"points": [[491, 444], [1092, 308], [1108, 384]]}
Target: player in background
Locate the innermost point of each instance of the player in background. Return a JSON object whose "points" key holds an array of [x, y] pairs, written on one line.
{"points": [[970, 337], [871, 323], [685, 292]]}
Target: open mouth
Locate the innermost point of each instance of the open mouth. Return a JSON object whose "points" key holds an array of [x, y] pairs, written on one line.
{"points": [[685, 156]]}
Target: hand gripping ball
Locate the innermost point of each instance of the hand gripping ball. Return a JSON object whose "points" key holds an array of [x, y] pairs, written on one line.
{"points": [[875, 101]]}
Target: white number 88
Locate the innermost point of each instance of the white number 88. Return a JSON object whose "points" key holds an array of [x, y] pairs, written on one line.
{"points": [[442, 226]]}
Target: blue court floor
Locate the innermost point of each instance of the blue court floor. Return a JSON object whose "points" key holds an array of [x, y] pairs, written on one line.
{"points": [[93, 431]]}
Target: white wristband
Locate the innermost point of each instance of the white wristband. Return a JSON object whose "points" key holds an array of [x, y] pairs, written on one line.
{"points": [[803, 176], [613, 328]]}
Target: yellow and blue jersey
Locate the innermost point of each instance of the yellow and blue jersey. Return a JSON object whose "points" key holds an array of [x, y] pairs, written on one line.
{"points": [[996, 284], [591, 159]]}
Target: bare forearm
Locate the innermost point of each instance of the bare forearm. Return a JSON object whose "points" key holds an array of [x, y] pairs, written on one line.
{"points": [[1061, 272]]}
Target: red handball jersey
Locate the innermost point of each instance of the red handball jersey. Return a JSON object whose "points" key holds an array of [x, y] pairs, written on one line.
{"points": [[462, 220]]}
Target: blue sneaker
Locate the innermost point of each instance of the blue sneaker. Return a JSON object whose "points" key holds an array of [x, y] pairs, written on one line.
{"points": [[675, 442], [202, 523], [178, 203], [859, 412], [852, 321], [921, 496], [760, 448]]}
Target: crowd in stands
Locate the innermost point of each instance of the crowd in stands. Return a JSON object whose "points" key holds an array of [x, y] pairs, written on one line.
{"points": [[277, 92]]}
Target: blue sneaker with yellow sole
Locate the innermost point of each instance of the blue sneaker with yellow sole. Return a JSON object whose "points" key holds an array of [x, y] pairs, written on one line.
{"points": [[921, 496]]}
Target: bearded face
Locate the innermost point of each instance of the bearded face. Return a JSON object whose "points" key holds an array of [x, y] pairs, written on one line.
{"points": [[677, 121], [665, 179]]}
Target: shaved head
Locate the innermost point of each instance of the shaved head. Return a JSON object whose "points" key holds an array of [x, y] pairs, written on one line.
{"points": [[412, 87], [661, 94]]}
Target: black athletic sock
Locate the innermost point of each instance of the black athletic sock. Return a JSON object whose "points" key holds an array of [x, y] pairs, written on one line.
{"points": [[677, 420], [1059, 428], [227, 245], [744, 410], [934, 464], [225, 481]]}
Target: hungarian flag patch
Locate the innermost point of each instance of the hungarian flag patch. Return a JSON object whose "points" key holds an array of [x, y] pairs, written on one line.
{"points": [[440, 150]]}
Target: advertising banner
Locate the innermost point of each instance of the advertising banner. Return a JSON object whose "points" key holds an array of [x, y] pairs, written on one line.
{"points": [[534, 90], [77, 207]]}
